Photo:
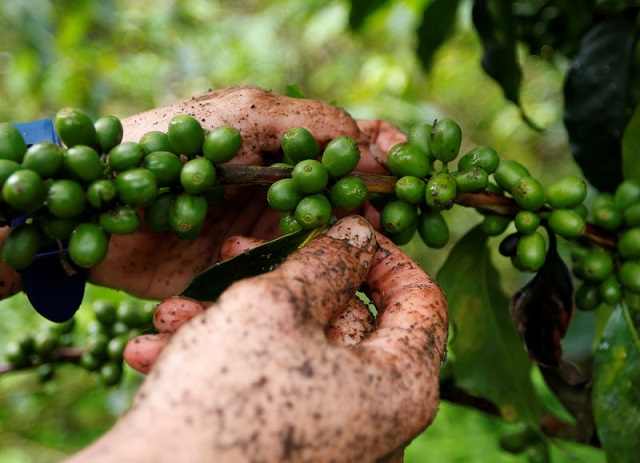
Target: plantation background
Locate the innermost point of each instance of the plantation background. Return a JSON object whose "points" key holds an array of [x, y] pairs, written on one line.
{"points": [[121, 57]]}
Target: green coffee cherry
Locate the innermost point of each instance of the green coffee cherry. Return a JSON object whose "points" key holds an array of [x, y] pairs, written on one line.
{"points": [[186, 135], [411, 189], [445, 141], [116, 346], [101, 193], [531, 252], [508, 173], [156, 216], [283, 195], [289, 224], [111, 373], [15, 355], [125, 156], [222, 144], [596, 266], [632, 215], [403, 237], [407, 159], [483, 157], [348, 193], [6, 169], [341, 156], [83, 163], [606, 215], [45, 343], [567, 223], [441, 191], [420, 135], [75, 127], [433, 228], [89, 362], [519, 440], [629, 244], [45, 158], [528, 193], [88, 245], [587, 296], [627, 193], [494, 225], [313, 211], [629, 275], [21, 246], [310, 176], [120, 220], [24, 190], [471, 179], [610, 290], [165, 165], [398, 215], [567, 192], [131, 313], [526, 222], [12, 145], [57, 228], [104, 311], [198, 176], [155, 141], [109, 132], [187, 214], [137, 187], [299, 144], [66, 199]]}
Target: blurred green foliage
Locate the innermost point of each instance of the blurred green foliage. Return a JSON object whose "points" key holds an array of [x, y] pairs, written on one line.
{"points": [[121, 57]]}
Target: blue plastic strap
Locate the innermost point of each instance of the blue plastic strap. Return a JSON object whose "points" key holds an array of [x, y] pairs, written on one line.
{"points": [[53, 290]]}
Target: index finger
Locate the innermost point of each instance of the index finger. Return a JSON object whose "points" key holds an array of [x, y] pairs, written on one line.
{"points": [[412, 309]]}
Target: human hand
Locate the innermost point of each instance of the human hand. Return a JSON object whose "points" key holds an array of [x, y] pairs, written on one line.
{"points": [[159, 265], [255, 378]]}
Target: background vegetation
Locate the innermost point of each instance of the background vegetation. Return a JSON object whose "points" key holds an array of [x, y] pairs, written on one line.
{"points": [[121, 57]]}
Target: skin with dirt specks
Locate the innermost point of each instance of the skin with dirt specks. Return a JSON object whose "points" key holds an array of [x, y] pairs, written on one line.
{"points": [[159, 265], [254, 379]]}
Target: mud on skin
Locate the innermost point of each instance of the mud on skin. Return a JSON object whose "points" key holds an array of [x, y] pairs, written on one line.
{"points": [[253, 378]]}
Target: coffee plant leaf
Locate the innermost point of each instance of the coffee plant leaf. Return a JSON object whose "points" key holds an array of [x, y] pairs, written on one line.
{"points": [[438, 21], [616, 395], [208, 285], [489, 359], [597, 100]]}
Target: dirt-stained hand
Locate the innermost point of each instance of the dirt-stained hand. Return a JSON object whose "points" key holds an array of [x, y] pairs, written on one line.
{"points": [[286, 367]]}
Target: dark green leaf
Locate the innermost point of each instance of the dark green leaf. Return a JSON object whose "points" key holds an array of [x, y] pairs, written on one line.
{"points": [[208, 285], [631, 147], [489, 358], [495, 23], [361, 9], [294, 91], [437, 23], [616, 391], [597, 106]]}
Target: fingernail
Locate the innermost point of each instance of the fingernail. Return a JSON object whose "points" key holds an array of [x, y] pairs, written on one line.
{"points": [[353, 229]]}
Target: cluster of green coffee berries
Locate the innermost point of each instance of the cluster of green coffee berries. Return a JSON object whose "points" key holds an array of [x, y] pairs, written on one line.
{"points": [[606, 272], [107, 335], [105, 339], [40, 350], [425, 185], [315, 187], [560, 206], [96, 185]]}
